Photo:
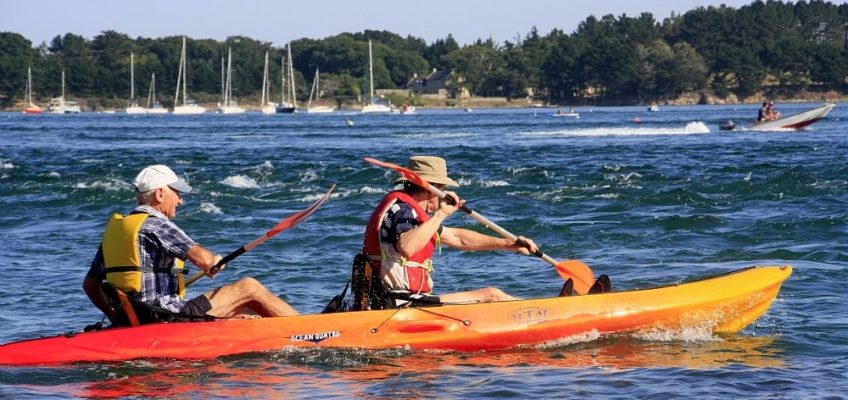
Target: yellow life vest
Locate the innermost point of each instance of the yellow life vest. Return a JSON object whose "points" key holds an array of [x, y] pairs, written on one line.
{"points": [[122, 257]]}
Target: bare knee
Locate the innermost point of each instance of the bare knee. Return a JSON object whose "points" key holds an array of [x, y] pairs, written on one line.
{"points": [[494, 294]]}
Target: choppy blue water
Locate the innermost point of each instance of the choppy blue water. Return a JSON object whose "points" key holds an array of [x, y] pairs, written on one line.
{"points": [[665, 200]]}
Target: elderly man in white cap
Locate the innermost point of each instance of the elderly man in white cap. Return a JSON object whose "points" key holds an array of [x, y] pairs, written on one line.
{"points": [[405, 229], [142, 256]]}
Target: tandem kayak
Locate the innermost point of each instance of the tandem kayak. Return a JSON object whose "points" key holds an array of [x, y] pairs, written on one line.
{"points": [[794, 121], [720, 304]]}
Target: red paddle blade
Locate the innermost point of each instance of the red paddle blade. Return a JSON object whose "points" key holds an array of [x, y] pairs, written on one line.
{"points": [[579, 272], [300, 216], [406, 172]]}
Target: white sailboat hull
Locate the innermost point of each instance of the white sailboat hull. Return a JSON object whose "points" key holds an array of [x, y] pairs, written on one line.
{"points": [[192, 109], [157, 111], [320, 110], [135, 110], [230, 110], [376, 108], [268, 109]]}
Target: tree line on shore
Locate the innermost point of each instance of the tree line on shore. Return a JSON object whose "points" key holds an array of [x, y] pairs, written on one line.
{"points": [[770, 48]]}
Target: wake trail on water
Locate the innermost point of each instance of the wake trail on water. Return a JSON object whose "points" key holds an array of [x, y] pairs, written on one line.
{"points": [[692, 128]]}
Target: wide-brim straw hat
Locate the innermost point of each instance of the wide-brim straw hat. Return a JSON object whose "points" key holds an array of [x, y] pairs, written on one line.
{"points": [[430, 168]]}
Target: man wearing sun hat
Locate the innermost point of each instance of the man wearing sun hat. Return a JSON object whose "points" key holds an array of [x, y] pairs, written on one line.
{"points": [[406, 228], [142, 255]]}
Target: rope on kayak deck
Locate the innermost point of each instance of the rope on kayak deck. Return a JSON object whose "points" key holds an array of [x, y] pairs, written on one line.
{"points": [[463, 321]]}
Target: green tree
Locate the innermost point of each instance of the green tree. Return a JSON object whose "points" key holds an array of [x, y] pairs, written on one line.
{"points": [[16, 54]]}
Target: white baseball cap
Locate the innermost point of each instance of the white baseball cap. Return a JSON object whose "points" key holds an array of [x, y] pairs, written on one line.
{"points": [[156, 176]]}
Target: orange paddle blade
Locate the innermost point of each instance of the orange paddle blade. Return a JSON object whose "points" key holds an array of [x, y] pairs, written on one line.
{"points": [[406, 172], [579, 272]]}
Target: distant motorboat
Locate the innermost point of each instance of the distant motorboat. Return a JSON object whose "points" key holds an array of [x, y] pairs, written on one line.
{"points": [[653, 108], [570, 113], [794, 121], [188, 106]]}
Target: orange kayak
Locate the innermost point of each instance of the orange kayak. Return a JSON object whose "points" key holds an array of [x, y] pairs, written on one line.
{"points": [[721, 304]]}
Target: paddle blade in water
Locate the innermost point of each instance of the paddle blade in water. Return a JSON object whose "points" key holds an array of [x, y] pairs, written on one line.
{"points": [[577, 270]]}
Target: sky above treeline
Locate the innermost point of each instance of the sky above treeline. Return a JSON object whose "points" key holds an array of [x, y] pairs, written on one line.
{"points": [[279, 21]]}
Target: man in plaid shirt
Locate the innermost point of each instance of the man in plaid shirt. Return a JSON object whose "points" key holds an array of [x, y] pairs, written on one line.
{"points": [[161, 243]]}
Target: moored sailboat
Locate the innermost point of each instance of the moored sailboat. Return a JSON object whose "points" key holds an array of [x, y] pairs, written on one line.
{"points": [[133, 108], [229, 106], [288, 99], [265, 105], [316, 91], [58, 105], [153, 106], [30, 107], [373, 107], [188, 106]]}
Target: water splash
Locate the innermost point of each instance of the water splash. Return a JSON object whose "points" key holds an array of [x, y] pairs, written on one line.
{"points": [[240, 182]]}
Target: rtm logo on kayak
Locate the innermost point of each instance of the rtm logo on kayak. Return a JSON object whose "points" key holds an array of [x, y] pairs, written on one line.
{"points": [[315, 337], [529, 314]]}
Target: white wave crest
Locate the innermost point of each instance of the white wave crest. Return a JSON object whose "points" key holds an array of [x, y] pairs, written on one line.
{"points": [[265, 166], [685, 334], [111, 185], [54, 174], [309, 175], [210, 208], [371, 190], [494, 183], [240, 182], [6, 165], [568, 340]]}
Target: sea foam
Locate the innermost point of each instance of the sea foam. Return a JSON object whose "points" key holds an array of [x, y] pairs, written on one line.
{"points": [[240, 182]]}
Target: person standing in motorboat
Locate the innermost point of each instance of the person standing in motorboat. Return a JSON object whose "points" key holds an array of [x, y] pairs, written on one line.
{"points": [[406, 228], [142, 255]]}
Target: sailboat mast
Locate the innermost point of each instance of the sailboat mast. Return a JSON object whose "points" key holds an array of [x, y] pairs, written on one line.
{"points": [[132, 78], [223, 84], [291, 77], [283, 92], [63, 85], [229, 76], [264, 81], [370, 72], [179, 74], [29, 85], [185, 73]]}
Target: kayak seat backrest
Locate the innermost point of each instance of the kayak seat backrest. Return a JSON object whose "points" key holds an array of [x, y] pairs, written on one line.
{"points": [[368, 290], [133, 312]]}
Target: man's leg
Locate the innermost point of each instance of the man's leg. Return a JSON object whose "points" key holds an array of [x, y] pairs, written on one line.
{"points": [[480, 295], [248, 292]]}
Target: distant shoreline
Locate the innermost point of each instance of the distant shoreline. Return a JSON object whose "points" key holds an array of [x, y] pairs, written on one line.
{"points": [[499, 102]]}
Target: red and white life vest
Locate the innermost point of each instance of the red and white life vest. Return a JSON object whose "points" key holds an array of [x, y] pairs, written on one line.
{"points": [[399, 273]]}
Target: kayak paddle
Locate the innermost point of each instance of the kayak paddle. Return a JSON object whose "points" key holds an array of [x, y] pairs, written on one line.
{"points": [[579, 272], [283, 225]]}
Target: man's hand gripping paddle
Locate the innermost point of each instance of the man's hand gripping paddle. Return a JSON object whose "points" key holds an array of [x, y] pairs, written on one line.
{"points": [[576, 270], [283, 225]]}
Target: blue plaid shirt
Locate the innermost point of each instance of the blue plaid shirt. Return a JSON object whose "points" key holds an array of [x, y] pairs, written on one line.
{"points": [[161, 243]]}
